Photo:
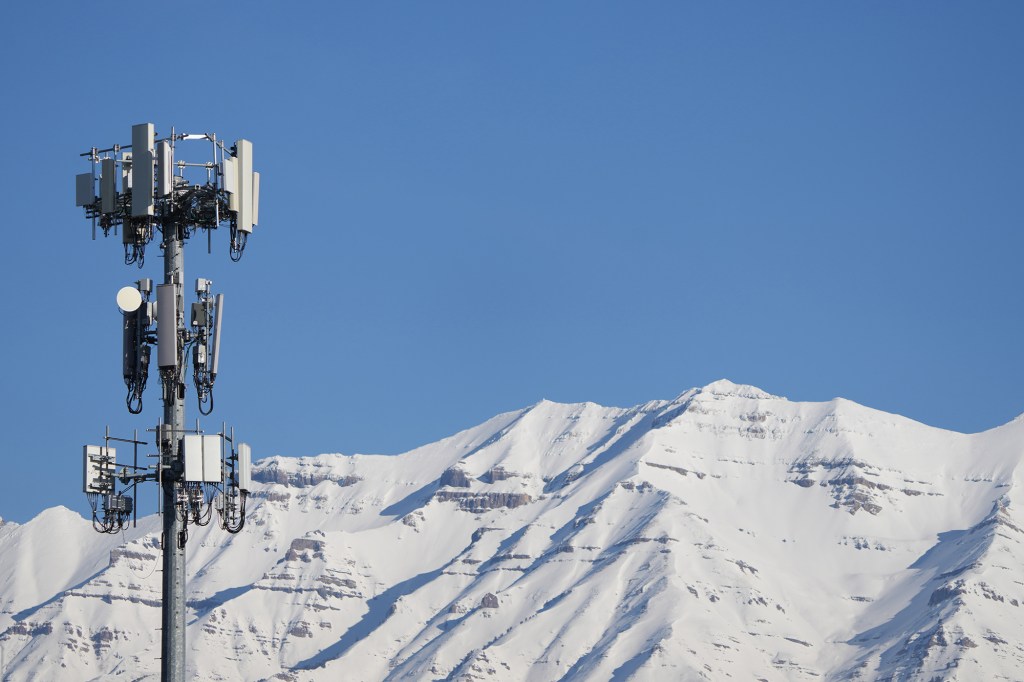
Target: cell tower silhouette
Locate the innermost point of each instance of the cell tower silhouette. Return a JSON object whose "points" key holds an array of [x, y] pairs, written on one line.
{"points": [[149, 194]]}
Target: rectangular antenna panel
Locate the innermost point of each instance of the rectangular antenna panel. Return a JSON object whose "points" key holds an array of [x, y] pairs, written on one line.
{"points": [[99, 469], [213, 459], [85, 189], [202, 458], [147, 314], [218, 317], [199, 316], [227, 175], [244, 467], [255, 198], [108, 186], [243, 159], [143, 135], [142, 183], [130, 343], [164, 169], [192, 450], [126, 175], [229, 182], [167, 325]]}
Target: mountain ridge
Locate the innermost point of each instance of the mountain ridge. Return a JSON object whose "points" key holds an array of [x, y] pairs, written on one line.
{"points": [[723, 532]]}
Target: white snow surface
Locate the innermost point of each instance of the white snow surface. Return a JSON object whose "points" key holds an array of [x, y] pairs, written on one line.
{"points": [[727, 533]]}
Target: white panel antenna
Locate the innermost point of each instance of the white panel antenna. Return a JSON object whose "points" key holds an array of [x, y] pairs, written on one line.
{"points": [[99, 469], [255, 198], [243, 159], [192, 449], [142, 170], [142, 184], [230, 179], [143, 136], [203, 458], [126, 172], [164, 169], [244, 467], [213, 459], [218, 317], [167, 325]]}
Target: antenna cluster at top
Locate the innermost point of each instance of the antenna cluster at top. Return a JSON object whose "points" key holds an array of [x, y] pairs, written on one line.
{"points": [[145, 185]]}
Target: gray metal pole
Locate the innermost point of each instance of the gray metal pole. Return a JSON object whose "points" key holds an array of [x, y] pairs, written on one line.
{"points": [[173, 616]]}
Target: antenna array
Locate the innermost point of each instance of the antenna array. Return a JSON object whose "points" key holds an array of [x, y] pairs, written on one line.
{"points": [[147, 192], [157, 189]]}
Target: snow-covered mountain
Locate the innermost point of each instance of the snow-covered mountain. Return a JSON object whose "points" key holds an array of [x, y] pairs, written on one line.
{"points": [[727, 532]]}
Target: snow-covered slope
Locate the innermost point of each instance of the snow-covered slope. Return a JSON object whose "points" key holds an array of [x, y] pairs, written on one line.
{"points": [[727, 532]]}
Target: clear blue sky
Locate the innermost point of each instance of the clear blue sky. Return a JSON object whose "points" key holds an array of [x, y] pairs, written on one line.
{"points": [[467, 207]]}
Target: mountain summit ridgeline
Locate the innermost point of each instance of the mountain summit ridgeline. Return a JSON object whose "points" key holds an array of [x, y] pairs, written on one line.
{"points": [[727, 532]]}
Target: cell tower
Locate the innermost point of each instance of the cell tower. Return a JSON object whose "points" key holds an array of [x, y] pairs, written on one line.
{"points": [[150, 194]]}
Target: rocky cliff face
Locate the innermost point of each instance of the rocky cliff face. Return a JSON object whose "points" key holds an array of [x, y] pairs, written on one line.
{"points": [[725, 533]]}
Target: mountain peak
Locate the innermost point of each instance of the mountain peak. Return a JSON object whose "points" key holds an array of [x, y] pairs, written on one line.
{"points": [[724, 387], [475, 556], [59, 513]]}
